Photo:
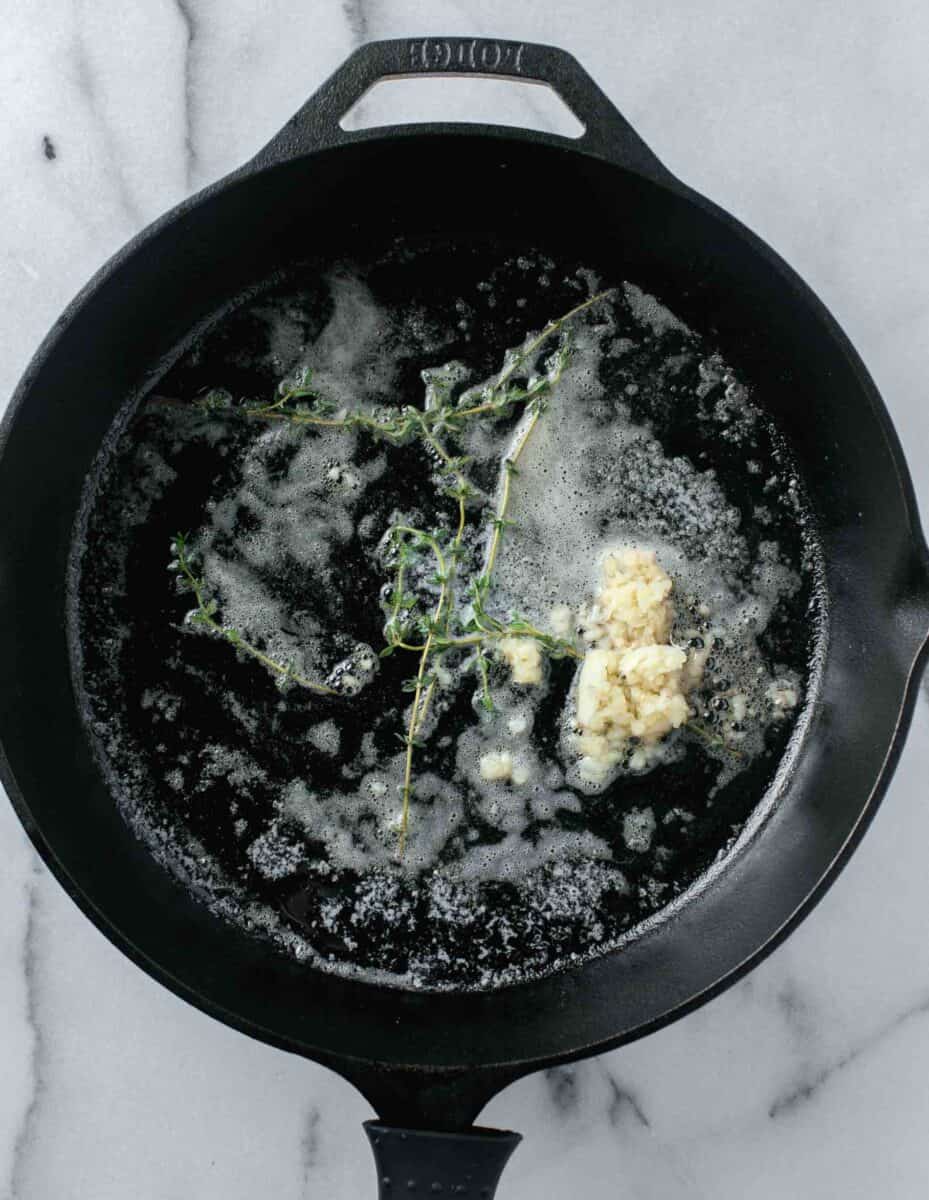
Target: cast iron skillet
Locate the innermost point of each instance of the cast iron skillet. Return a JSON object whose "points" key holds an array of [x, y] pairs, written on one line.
{"points": [[431, 1062]]}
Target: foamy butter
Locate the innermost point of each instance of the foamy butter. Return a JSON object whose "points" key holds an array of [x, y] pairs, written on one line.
{"points": [[499, 776], [593, 484], [307, 513], [326, 737], [578, 560], [355, 354]]}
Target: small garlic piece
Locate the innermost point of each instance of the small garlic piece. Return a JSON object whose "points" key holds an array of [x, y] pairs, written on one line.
{"points": [[524, 658], [496, 765]]}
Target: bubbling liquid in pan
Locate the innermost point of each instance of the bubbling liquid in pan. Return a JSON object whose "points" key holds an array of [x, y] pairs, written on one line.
{"points": [[281, 809]]}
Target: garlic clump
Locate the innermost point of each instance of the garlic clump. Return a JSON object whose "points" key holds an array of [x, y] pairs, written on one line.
{"points": [[523, 655], [632, 682], [633, 605]]}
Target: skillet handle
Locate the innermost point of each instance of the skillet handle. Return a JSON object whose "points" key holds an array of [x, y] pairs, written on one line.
{"points": [[421, 1163], [607, 133]]}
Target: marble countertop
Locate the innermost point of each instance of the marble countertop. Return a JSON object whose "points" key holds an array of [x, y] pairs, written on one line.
{"points": [[810, 1078]]}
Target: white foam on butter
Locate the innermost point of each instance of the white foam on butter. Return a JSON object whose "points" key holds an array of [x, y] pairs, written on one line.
{"points": [[650, 312], [354, 354], [270, 521], [360, 829], [591, 480], [326, 736], [304, 514]]}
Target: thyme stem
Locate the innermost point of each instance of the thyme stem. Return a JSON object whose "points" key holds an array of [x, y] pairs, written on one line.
{"points": [[486, 698], [508, 465], [410, 744]]}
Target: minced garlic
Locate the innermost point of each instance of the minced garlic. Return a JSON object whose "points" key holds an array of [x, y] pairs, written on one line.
{"points": [[496, 765], [524, 658], [632, 682], [499, 766], [633, 606]]}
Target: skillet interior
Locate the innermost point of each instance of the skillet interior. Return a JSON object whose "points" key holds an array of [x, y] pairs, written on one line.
{"points": [[214, 768], [712, 274]]}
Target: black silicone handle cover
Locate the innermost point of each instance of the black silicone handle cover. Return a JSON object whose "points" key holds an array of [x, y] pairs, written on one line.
{"points": [[414, 1162]]}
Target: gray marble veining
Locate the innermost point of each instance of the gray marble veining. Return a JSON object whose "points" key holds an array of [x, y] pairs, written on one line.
{"points": [[809, 1078]]}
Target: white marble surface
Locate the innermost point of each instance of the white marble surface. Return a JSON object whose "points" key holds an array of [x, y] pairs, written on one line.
{"points": [[811, 1078]]}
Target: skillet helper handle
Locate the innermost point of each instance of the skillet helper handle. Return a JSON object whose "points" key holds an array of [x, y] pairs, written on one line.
{"points": [[606, 132], [416, 1162]]}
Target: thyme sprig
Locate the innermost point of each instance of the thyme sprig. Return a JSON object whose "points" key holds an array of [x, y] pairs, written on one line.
{"points": [[299, 403], [422, 612]]}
